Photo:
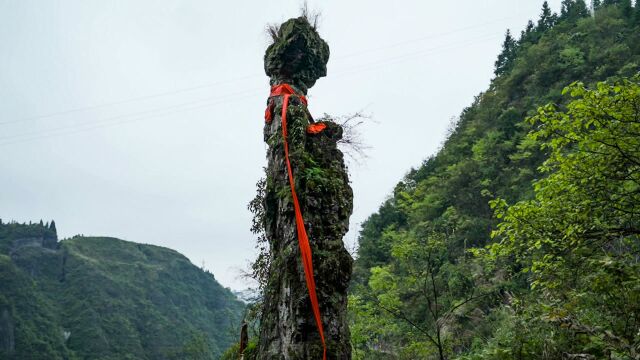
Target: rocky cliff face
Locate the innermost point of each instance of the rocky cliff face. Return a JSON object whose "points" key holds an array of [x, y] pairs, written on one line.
{"points": [[288, 330]]}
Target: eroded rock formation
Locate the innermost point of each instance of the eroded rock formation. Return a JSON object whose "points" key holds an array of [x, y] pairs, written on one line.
{"points": [[298, 57]]}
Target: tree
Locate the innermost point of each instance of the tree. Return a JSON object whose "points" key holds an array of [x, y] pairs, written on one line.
{"points": [[52, 226], [547, 18], [573, 10], [505, 59], [529, 34], [423, 292], [627, 8], [196, 348], [260, 266], [596, 4], [579, 238], [565, 8]]}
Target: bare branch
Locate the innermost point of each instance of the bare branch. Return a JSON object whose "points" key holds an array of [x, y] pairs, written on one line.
{"points": [[398, 314], [351, 143], [312, 16]]}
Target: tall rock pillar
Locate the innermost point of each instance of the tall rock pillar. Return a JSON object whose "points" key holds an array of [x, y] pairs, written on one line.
{"points": [[288, 328]]}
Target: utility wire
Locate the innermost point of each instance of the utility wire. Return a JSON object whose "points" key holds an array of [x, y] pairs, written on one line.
{"points": [[130, 100], [205, 102], [432, 36], [245, 77], [72, 129], [109, 124], [396, 59]]}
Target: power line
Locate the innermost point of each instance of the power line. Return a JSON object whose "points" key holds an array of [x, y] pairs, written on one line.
{"points": [[110, 124], [151, 112], [245, 77], [72, 129], [426, 37], [400, 58], [130, 100]]}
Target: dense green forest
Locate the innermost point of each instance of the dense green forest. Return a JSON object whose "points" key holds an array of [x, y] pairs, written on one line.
{"points": [[104, 298], [520, 239]]}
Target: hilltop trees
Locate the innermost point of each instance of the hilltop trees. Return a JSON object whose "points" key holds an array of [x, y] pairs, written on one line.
{"points": [[531, 34], [573, 10], [627, 8], [625, 5], [547, 18], [508, 54], [596, 4]]}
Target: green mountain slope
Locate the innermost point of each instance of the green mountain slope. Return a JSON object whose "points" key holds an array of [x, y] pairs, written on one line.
{"points": [[104, 298], [418, 291]]}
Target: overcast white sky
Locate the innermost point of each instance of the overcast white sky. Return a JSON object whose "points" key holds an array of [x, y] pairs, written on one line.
{"points": [[143, 119]]}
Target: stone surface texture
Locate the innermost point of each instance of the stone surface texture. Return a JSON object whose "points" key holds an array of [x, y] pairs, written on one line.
{"points": [[288, 330]]}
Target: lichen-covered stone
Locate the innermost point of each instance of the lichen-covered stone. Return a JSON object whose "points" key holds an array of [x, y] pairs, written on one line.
{"points": [[287, 327]]}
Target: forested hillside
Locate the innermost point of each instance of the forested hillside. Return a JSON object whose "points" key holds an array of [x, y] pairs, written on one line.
{"points": [[104, 298], [519, 238]]}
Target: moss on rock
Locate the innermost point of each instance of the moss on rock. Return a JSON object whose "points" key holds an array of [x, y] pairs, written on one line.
{"points": [[288, 330]]}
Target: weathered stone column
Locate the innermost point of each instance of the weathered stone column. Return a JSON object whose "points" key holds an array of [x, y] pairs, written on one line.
{"points": [[298, 57]]}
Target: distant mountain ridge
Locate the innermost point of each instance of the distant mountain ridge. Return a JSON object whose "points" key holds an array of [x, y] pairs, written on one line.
{"points": [[105, 298]]}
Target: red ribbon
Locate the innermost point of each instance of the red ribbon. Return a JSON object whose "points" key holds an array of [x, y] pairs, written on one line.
{"points": [[286, 91], [316, 128]]}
